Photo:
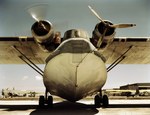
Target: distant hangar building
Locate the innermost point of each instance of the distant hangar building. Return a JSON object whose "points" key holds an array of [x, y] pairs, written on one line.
{"points": [[136, 86]]}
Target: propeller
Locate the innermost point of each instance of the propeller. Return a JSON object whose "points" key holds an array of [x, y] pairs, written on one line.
{"points": [[38, 12], [108, 25]]}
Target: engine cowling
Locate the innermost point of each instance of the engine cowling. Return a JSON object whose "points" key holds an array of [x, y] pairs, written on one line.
{"points": [[103, 34], [44, 35]]}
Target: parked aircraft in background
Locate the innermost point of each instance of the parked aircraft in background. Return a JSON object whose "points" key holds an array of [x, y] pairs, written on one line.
{"points": [[10, 93]]}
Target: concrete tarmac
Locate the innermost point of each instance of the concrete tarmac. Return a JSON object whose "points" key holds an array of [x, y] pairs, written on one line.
{"points": [[83, 107]]}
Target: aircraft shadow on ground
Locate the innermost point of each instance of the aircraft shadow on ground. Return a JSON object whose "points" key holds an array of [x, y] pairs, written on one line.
{"points": [[67, 108]]}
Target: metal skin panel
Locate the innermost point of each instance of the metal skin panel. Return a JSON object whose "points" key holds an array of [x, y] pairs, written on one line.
{"points": [[73, 81]]}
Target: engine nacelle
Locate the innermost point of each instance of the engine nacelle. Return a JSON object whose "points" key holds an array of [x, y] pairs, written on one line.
{"points": [[43, 34], [98, 35]]}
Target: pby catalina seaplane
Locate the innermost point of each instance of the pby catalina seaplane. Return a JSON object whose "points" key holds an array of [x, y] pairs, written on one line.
{"points": [[75, 67]]}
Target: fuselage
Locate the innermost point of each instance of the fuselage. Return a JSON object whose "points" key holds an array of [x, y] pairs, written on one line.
{"points": [[74, 70]]}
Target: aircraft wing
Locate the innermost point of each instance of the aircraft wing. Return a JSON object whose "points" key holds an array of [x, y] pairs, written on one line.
{"points": [[27, 45], [138, 54]]}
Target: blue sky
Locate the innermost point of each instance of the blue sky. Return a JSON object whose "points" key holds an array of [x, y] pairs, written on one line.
{"points": [[23, 77]]}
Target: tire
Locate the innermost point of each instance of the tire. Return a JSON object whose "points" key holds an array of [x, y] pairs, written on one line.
{"points": [[41, 101], [105, 101], [50, 101], [97, 101]]}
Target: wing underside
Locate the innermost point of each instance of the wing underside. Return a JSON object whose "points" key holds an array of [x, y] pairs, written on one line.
{"points": [[9, 55], [138, 54]]}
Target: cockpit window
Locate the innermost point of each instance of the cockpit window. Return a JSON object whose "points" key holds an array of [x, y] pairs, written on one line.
{"points": [[75, 33]]}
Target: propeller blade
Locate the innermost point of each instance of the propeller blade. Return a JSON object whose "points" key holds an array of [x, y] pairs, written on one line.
{"points": [[101, 39], [38, 11], [122, 25], [95, 13]]}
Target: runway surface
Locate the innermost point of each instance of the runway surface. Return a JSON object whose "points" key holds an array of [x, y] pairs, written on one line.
{"points": [[83, 107]]}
